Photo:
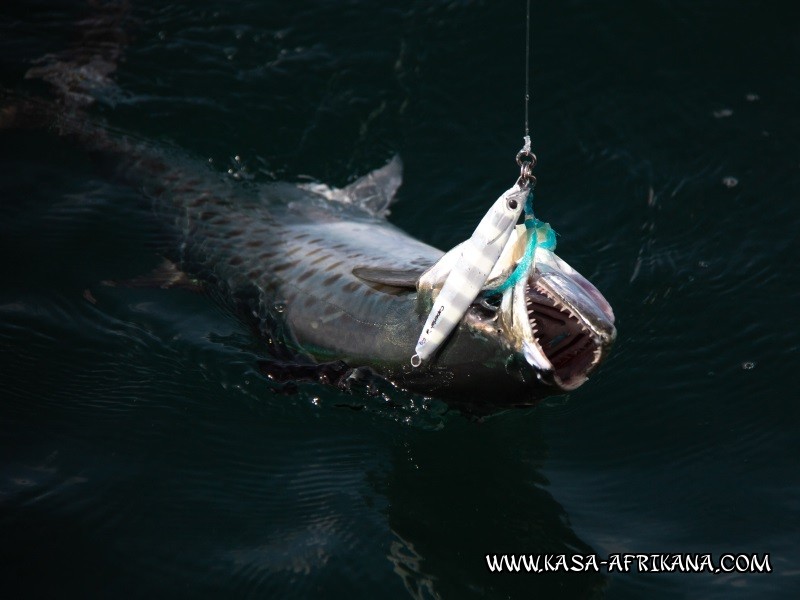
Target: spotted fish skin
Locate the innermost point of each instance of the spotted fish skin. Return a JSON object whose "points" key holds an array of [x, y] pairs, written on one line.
{"points": [[300, 267]]}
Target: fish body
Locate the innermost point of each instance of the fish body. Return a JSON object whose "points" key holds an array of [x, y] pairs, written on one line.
{"points": [[330, 278], [293, 255]]}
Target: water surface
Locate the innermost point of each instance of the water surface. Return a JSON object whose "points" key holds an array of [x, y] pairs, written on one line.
{"points": [[141, 451]]}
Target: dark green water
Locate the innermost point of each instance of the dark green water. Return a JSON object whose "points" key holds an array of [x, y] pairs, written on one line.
{"points": [[142, 454]]}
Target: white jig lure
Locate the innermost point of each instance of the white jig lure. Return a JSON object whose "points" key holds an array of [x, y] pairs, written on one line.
{"points": [[478, 256]]}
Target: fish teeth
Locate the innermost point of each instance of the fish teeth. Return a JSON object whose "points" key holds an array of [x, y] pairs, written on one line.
{"points": [[533, 324], [596, 358], [558, 305]]}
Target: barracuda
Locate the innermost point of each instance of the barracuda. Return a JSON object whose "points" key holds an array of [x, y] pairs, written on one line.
{"points": [[329, 278], [343, 283], [324, 272]]}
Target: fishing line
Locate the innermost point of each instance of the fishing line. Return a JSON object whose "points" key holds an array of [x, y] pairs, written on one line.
{"points": [[527, 67], [525, 158]]}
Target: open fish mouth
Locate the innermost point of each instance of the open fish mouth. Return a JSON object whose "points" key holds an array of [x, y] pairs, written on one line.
{"points": [[570, 346], [571, 326]]}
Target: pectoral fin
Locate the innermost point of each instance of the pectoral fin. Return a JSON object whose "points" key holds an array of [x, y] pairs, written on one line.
{"points": [[400, 278]]}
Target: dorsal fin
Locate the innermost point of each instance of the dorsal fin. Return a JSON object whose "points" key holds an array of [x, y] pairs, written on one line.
{"points": [[401, 278], [374, 192]]}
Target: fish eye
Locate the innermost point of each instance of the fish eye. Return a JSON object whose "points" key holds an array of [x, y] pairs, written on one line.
{"points": [[489, 302], [512, 204]]}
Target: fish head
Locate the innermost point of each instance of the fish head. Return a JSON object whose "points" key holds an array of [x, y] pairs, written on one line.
{"points": [[559, 320], [545, 335]]}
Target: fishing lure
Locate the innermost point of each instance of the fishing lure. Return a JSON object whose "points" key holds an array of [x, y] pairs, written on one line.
{"points": [[477, 258]]}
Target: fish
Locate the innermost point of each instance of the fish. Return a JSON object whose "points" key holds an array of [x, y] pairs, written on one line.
{"points": [[325, 275], [343, 283]]}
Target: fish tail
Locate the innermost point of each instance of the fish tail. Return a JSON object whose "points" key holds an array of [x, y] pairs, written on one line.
{"points": [[82, 73], [77, 76]]}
